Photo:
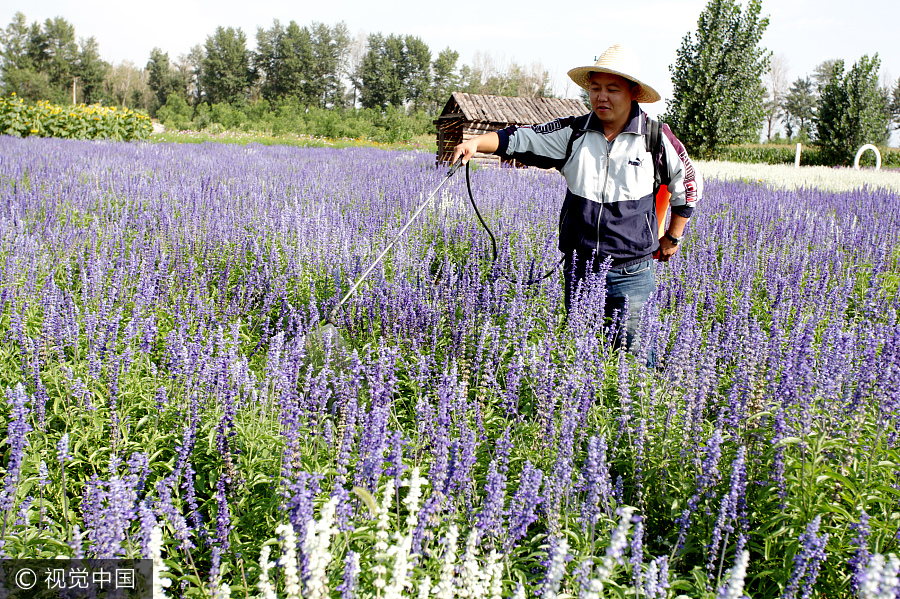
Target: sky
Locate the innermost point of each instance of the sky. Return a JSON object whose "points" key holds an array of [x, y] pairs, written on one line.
{"points": [[560, 35]]}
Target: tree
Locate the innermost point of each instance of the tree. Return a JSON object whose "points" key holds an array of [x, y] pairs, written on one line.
{"points": [[486, 76], [718, 92], [800, 108], [162, 79], [418, 76], [776, 83], [91, 70], [384, 72], [306, 63], [823, 72], [445, 78], [226, 74], [54, 52], [852, 110], [18, 73], [895, 103], [356, 55], [125, 83], [189, 69], [283, 61], [42, 61], [330, 48]]}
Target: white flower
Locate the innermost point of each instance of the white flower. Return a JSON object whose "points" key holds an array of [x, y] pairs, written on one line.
{"points": [[557, 569], [881, 579], [154, 546], [471, 583], [494, 571], [734, 588], [785, 176], [520, 592], [382, 536], [264, 585], [617, 543], [890, 579], [594, 590], [425, 588], [316, 545], [413, 497], [400, 574], [288, 560], [445, 586]]}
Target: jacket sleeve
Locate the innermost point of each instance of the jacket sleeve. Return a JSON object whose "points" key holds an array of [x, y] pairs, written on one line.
{"points": [[543, 146], [685, 183]]}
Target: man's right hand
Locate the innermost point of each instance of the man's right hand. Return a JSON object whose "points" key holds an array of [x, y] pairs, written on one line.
{"points": [[489, 142]]}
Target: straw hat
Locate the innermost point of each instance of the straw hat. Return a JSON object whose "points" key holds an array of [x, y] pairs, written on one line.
{"points": [[618, 60]]}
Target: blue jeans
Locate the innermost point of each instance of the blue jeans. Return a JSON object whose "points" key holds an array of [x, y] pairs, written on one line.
{"points": [[636, 282]]}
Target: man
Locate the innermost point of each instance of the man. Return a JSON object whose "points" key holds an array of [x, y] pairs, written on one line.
{"points": [[609, 210]]}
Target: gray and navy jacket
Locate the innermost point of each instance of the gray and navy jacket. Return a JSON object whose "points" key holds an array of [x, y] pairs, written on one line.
{"points": [[609, 208]]}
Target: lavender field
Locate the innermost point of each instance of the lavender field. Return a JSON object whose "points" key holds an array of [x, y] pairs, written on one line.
{"points": [[161, 399]]}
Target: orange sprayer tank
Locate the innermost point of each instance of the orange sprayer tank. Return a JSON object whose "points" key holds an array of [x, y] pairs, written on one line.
{"points": [[662, 207]]}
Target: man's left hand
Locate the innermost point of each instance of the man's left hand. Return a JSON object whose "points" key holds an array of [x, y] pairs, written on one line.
{"points": [[667, 249]]}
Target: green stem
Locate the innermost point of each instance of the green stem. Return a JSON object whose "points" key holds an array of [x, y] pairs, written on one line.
{"points": [[66, 504]]}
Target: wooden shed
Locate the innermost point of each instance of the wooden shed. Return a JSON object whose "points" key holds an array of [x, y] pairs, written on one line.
{"points": [[468, 115]]}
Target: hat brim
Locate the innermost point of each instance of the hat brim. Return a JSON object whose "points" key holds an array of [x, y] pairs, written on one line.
{"points": [[582, 77]]}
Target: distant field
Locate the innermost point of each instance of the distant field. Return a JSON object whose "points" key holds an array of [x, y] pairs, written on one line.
{"points": [[424, 143]]}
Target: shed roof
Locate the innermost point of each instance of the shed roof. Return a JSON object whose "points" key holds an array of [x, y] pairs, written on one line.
{"points": [[504, 109]]}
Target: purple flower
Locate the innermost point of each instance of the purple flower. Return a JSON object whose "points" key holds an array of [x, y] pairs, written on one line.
{"points": [[707, 476], [109, 508], [597, 483], [17, 436], [182, 532], [350, 580], [214, 571], [807, 561], [395, 465], [522, 508], [861, 557], [729, 509], [561, 478], [148, 522], [656, 580], [299, 508], [223, 515], [637, 551], [489, 520], [624, 424]]}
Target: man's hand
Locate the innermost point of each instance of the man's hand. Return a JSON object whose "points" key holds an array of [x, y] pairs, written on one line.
{"points": [[489, 142], [667, 249]]}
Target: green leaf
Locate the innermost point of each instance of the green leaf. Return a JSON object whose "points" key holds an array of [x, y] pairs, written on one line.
{"points": [[368, 499]]}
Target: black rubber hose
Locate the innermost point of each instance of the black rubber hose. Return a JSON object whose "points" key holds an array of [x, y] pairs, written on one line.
{"points": [[494, 239]]}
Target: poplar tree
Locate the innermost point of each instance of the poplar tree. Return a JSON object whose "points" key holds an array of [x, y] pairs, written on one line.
{"points": [[717, 78], [853, 111], [226, 75], [800, 108]]}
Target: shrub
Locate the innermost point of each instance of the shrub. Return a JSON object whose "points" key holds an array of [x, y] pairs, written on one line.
{"points": [[809, 156], [176, 114], [20, 119]]}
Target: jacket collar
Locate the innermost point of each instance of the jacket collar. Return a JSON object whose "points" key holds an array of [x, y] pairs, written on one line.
{"points": [[637, 122]]}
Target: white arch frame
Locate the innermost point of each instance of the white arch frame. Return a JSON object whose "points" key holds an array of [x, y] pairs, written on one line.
{"points": [[859, 154]]}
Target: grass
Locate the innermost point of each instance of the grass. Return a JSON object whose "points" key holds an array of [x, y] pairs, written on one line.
{"points": [[420, 143]]}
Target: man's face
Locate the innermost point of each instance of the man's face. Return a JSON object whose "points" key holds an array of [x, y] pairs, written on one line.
{"points": [[611, 98]]}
